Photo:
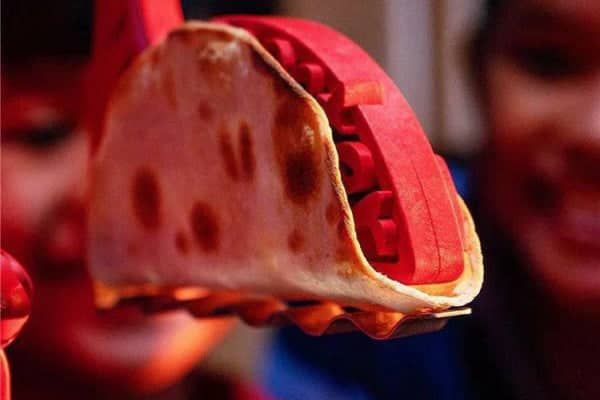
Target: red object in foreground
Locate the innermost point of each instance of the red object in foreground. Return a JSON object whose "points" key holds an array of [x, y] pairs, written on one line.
{"points": [[16, 295], [402, 197], [15, 306]]}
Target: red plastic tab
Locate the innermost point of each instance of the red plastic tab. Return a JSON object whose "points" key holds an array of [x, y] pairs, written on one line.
{"points": [[311, 75], [355, 93], [376, 230], [411, 233], [357, 165], [283, 51]]}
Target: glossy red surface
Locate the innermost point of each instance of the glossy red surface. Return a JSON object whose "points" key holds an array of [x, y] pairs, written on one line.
{"points": [[16, 296], [15, 306]]}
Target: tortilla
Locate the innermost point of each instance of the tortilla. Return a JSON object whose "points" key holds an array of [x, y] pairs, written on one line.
{"points": [[218, 171]]}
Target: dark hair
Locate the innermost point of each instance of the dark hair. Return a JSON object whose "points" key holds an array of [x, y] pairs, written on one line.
{"points": [[63, 28], [33, 29], [482, 41]]}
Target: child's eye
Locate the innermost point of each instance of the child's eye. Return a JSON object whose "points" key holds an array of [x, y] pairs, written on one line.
{"points": [[46, 137], [549, 63]]}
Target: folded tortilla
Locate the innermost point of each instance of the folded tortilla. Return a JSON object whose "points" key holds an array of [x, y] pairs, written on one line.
{"points": [[217, 170]]}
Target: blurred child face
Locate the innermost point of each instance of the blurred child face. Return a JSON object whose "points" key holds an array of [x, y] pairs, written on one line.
{"points": [[543, 103], [44, 161]]}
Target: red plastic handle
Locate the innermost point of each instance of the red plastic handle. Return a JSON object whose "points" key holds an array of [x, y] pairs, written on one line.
{"points": [[404, 202]]}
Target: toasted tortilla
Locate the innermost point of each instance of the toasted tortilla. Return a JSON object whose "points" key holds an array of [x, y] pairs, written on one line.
{"points": [[217, 170]]}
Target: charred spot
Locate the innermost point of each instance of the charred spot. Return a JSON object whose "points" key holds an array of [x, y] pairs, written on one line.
{"points": [[227, 153], [145, 199], [332, 213], [247, 151], [300, 176], [182, 243], [216, 68], [298, 149], [205, 228], [296, 241], [205, 111], [292, 115]]}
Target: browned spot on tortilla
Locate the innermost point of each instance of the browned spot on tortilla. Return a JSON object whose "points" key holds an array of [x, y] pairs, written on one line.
{"points": [[332, 213], [247, 151], [227, 153], [296, 240], [301, 176], [205, 228], [205, 111], [217, 68], [145, 199], [298, 148], [182, 243]]}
